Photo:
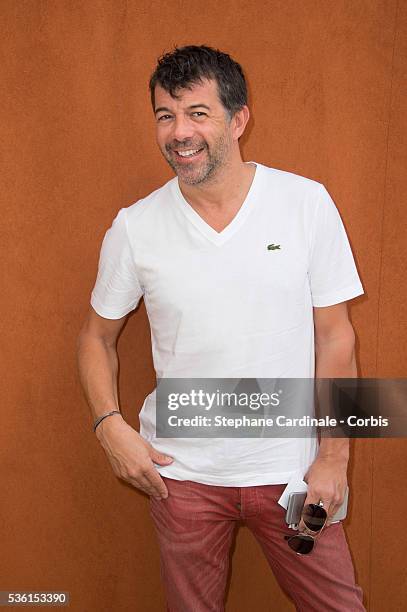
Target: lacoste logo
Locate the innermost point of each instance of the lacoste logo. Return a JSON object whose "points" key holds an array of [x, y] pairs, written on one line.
{"points": [[273, 247]]}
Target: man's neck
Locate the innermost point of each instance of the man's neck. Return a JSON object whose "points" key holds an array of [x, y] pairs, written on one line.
{"points": [[222, 192]]}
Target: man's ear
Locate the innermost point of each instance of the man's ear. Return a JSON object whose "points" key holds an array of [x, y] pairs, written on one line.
{"points": [[239, 120]]}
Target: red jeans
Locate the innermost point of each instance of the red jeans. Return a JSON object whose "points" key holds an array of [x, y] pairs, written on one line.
{"points": [[195, 527]]}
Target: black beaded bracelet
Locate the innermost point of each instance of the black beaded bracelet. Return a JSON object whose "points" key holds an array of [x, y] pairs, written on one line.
{"points": [[100, 419]]}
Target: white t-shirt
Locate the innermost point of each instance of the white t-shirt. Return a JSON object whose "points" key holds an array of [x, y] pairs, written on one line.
{"points": [[223, 305]]}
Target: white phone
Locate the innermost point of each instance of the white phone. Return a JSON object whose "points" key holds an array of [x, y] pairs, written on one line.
{"points": [[296, 504]]}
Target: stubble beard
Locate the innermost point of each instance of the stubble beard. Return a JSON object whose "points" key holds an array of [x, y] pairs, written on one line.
{"points": [[196, 174]]}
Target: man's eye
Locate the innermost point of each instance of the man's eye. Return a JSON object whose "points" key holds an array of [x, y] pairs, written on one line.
{"points": [[199, 113], [163, 117]]}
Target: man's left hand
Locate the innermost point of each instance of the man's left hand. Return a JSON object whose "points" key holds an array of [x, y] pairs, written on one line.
{"points": [[327, 481]]}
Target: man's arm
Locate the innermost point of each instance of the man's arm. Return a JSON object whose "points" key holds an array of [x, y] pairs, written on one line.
{"points": [[335, 358], [130, 456], [98, 364]]}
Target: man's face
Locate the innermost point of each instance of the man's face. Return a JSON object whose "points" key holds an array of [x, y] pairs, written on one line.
{"points": [[193, 131]]}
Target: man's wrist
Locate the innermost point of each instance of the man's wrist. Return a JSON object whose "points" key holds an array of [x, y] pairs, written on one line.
{"points": [[106, 420], [334, 448]]}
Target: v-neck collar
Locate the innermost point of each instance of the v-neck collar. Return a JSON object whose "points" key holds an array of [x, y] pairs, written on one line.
{"points": [[209, 232]]}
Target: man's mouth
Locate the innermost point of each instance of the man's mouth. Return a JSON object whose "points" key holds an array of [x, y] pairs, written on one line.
{"points": [[188, 152]]}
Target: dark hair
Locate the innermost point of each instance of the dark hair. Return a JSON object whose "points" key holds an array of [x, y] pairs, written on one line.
{"points": [[185, 66]]}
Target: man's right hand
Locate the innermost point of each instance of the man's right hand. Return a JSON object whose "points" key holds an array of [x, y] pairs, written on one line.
{"points": [[132, 457]]}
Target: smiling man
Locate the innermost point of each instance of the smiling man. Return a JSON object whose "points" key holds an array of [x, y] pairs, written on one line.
{"points": [[245, 272], [190, 132], [198, 138]]}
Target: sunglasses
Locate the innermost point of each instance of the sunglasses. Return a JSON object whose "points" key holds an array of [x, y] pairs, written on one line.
{"points": [[314, 517]]}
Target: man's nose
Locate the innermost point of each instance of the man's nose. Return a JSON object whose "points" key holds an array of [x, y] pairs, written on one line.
{"points": [[182, 128]]}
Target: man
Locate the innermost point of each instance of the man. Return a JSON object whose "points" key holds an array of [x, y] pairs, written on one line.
{"points": [[238, 265]]}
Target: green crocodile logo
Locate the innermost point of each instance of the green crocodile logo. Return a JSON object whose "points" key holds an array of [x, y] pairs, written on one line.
{"points": [[273, 247]]}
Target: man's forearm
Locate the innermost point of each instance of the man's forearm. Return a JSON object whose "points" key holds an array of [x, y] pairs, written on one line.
{"points": [[336, 359], [98, 367]]}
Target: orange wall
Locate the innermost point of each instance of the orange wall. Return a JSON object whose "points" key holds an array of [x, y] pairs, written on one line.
{"points": [[326, 81]]}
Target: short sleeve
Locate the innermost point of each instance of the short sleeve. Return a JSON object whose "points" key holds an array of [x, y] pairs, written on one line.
{"points": [[117, 290], [332, 271]]}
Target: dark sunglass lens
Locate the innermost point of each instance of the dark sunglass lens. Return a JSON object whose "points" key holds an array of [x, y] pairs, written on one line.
{"points": [[314, 517], [301, 544]]}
